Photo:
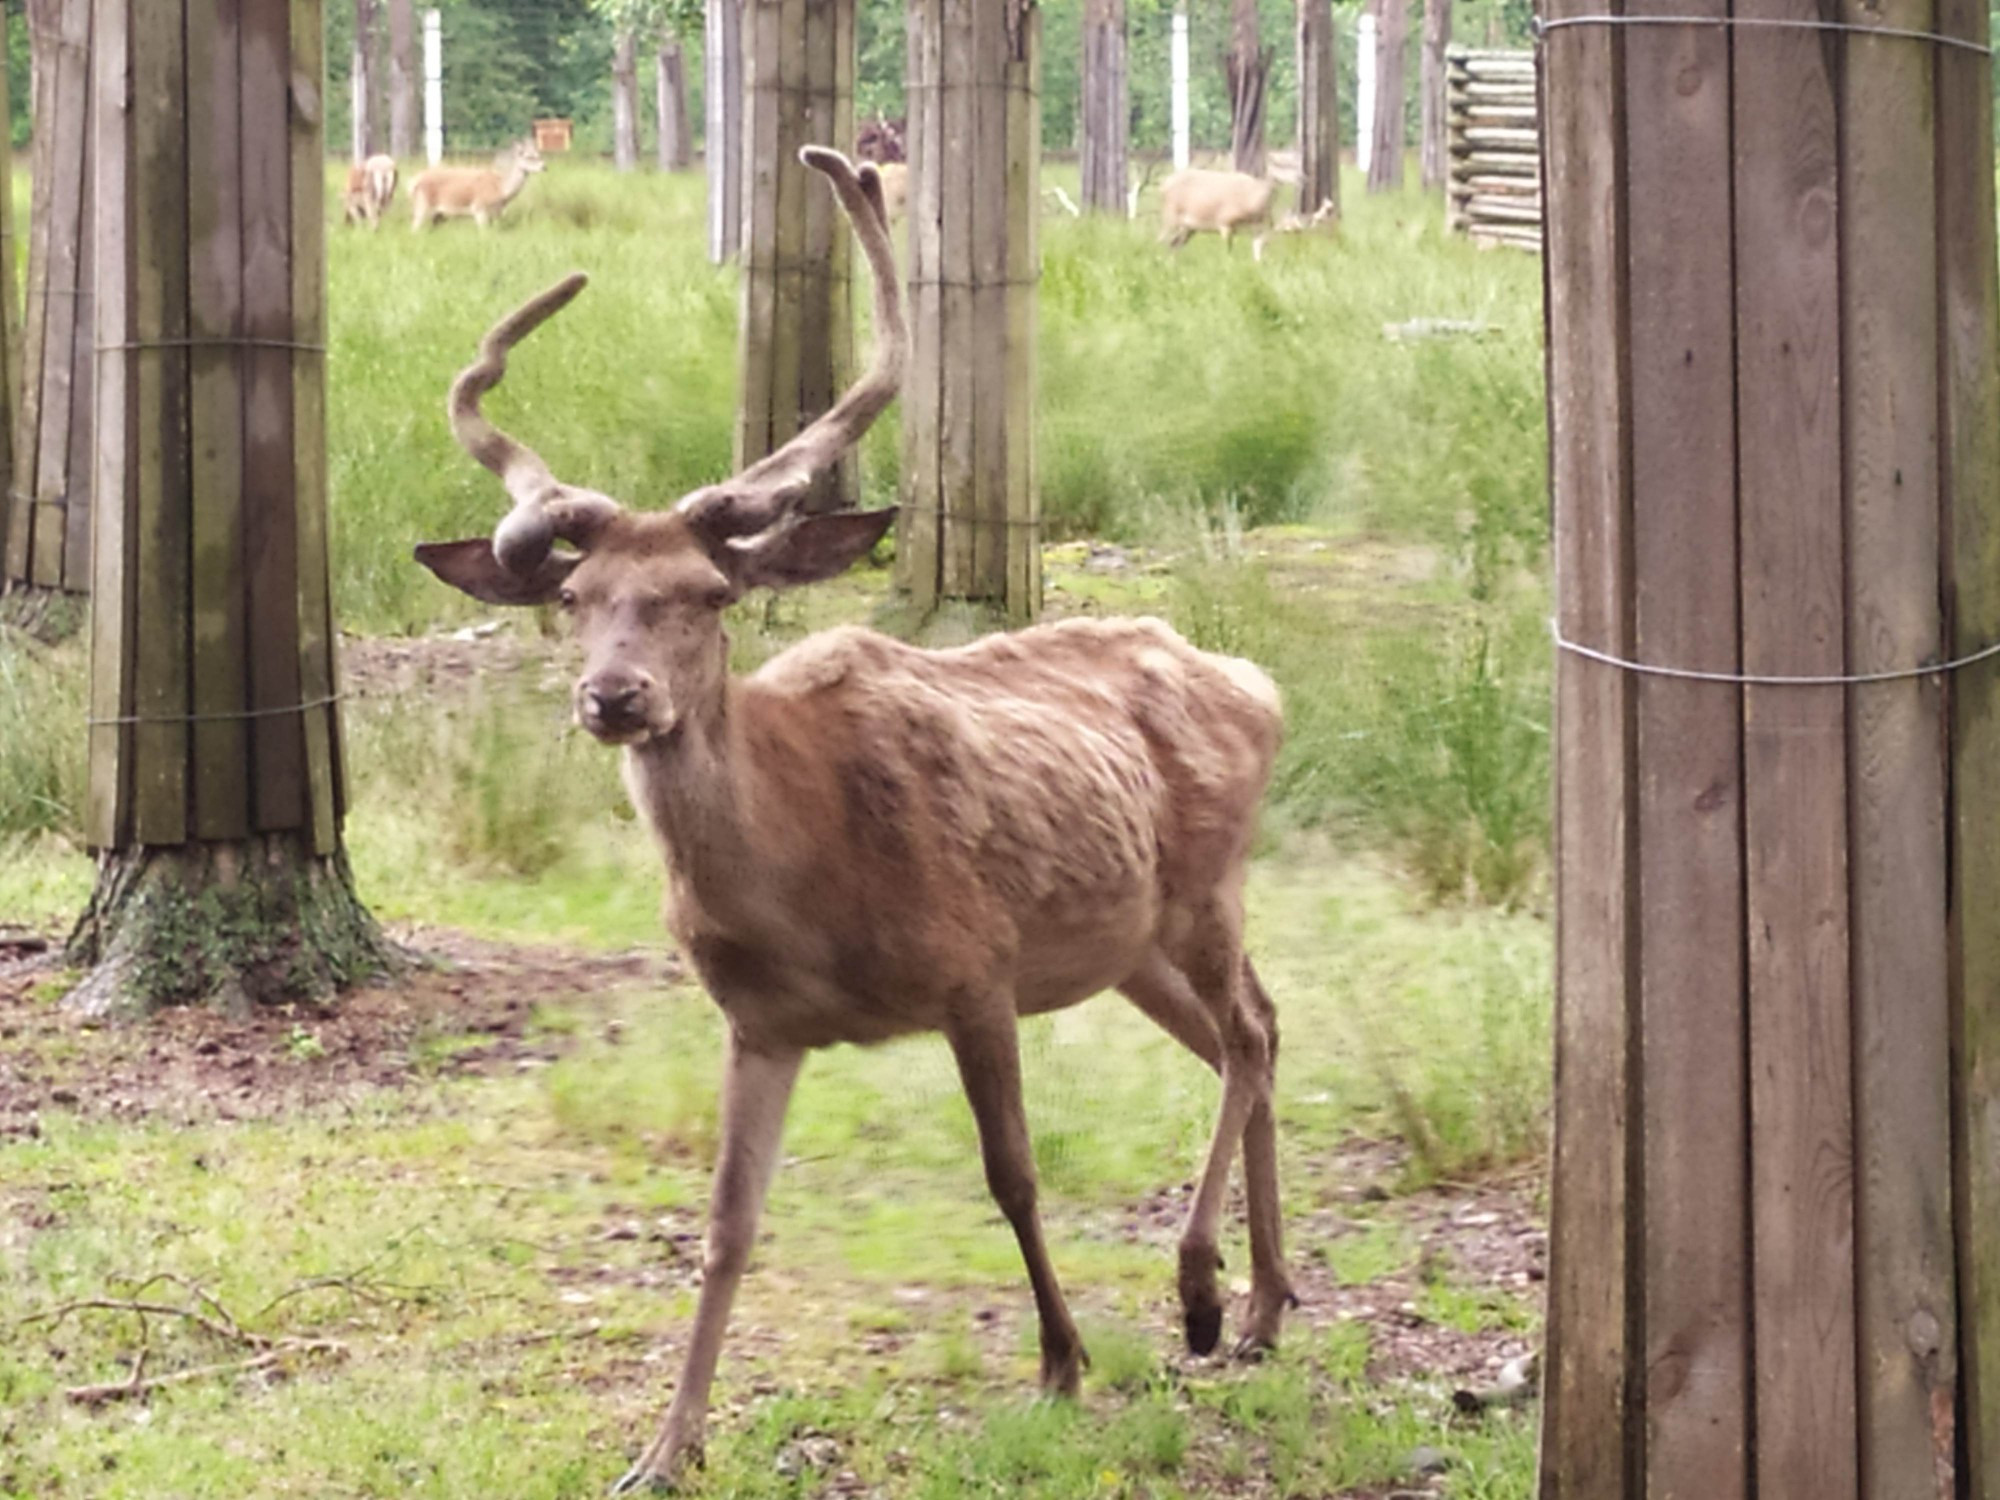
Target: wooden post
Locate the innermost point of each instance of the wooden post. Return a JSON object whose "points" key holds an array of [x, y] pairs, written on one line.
{"points": [[1107, 107], [1431, 114], [402, 79], [1775, 452], [47, 538], [215, 785], [1385, 154], [625, 100], [1319, 109], [797, 330], [970, 527], [675, 152], [723, 144]]}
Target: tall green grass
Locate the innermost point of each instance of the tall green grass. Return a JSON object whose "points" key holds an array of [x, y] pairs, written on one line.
{"points": [[1189, 382]]}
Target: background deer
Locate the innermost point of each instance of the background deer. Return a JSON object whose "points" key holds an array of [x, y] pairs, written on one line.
{"points": [[370, 186], [866, 839], [477, 193], [1197, 199]]}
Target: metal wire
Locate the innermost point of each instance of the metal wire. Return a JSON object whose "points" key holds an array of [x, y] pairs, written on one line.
{"points": [[233, 716], [217, 342], [1765, 23], [1768, 679]]}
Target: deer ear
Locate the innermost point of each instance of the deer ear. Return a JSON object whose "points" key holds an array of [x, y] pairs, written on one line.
{"points": [[471, 568], [806, 550]]}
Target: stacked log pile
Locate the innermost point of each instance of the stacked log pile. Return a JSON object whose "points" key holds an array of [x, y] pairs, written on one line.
{"points": [[1495, 188]]}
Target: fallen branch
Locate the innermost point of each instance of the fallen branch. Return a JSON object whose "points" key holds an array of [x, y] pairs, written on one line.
{"points": [[138, 1383]]}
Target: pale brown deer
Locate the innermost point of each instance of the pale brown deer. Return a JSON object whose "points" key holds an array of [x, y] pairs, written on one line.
{"points": [[370, 186], [866, 839], [477, 193], [1196, 199]]}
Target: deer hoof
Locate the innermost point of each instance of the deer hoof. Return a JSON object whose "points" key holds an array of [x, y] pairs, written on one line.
{"points": [[1252, 1348], [1204, 1328], [650, 1476]]}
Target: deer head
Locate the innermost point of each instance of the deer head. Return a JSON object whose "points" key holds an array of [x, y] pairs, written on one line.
{"points": [[646, 591], [524, 155]]}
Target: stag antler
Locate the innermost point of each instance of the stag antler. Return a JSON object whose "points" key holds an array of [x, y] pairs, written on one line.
{"points": [[544, 507], [763, 493]]}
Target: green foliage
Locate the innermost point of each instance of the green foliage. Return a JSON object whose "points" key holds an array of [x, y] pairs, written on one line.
{"points": [[42, 697]]}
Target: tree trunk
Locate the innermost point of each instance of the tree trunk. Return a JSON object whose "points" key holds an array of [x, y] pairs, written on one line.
{"points": [[216, 790], [1107, 110], [402, 79], [625, 100], [970, 521], [796, 348], [676, 151], [1437, 37], [722, 140], [1319, 110], [361, 82], [46, 542], [1248, 67], [1385, 160]]}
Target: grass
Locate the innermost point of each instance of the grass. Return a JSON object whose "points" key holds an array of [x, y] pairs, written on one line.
{"points": [[1363, 517]]}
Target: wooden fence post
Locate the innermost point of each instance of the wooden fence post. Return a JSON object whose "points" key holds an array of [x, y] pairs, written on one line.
{"points": [[797, 331], [1775, 454], [215, 787], [970, 527], [723, 143], [44, 543], [1319, 109]]}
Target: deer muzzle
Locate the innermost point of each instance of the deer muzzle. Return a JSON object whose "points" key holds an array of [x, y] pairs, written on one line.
{"points": [[619, 706]]}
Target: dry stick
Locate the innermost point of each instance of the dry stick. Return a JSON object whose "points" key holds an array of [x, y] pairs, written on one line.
{"points": [[135, 1385]]}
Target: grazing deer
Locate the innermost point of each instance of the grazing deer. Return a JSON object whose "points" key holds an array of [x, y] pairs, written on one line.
{"points": [[866, 839], [370, 186], [1196, 199], [477, 193]]}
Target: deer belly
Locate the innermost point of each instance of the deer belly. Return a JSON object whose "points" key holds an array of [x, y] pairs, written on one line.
{"points": [[1066, 958]]}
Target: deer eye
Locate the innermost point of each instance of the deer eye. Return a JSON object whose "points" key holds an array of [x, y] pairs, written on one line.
{"points": [[567, 598]]}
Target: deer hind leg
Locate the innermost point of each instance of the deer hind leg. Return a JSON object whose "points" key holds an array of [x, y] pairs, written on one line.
{"points": [[755, 1089], [988, 1050], [1213, 966]]}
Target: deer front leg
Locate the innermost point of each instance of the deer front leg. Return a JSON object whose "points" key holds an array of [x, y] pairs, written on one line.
{"points": [[756, 1086], [988, 1051]]}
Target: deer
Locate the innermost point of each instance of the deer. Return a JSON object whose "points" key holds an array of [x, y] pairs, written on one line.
{"points": [[866, 839], [895, 186], [478, 193], [1197, 199], [370, 186]]}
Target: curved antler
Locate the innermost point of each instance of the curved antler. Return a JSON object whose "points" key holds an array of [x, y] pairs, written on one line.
{"points": [[764, 492], [544, 507]]}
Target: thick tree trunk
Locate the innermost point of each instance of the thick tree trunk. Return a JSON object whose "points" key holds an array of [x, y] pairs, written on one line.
{"points": [[625, 101], [676, 150], [233, 924], [1319, 110], [1385, 160], [1107, 110], [1248, 67], [722, 140], [216, 789], [402, 79], [1437, 37], [362, 79]]}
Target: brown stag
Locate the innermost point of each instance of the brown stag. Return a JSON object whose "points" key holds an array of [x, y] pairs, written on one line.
{"points": [[866, 839]]}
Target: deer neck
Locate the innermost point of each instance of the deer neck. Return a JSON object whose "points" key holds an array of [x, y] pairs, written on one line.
{"points": [[689, 786], [512, 181]]}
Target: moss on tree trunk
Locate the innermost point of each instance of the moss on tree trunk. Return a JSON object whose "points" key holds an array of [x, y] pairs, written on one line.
{"points": [[261, 921]]}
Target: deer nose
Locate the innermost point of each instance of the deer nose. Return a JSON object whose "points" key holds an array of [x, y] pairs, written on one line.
{"points": [[614, 700]]}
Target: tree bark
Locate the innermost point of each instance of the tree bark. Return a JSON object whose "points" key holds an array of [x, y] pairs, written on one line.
{"points": [[403, 76], [1107, 110], [1248, 67], [625, 101], [1437, 37], [676, 149], [1319, 109], [362, 79], [1385, 162]]}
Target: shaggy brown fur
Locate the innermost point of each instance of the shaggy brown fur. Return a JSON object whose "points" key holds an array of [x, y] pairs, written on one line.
{"points": [[866, 839]]}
